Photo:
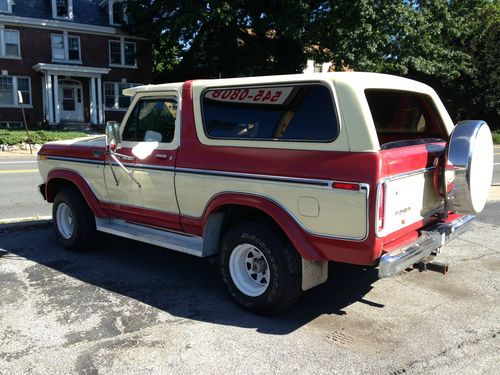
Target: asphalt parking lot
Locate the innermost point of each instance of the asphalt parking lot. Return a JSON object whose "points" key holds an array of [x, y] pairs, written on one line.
{"points": [[125, 307]]}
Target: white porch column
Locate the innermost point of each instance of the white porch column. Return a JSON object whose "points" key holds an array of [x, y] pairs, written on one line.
{"points": [[99, 100], [93, 111], [44, 97], [50, 109], [57, 107]]}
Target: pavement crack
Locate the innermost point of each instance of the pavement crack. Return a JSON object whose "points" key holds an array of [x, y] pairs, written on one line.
{"points": [[432, 361]]}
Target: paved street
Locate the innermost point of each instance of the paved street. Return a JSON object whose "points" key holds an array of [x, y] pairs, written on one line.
{"points": [[124, 307], [19, 197]]}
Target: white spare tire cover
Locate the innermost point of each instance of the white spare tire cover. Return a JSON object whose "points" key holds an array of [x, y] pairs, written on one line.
{"points": [[469, 157]]}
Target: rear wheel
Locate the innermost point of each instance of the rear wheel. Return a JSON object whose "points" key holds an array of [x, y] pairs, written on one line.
{"points": [[260, 268], [73, 220]]}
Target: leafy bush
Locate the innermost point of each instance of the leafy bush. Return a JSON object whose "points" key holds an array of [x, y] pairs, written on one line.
{"points": [[496, 137], [13, 137]]}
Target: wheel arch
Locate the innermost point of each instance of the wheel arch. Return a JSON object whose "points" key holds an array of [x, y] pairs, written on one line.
{"points": [[228, 208], [58, 178]]}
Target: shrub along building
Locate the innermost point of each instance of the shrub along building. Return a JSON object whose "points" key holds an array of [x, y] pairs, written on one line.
{"points": [[71, 59]]}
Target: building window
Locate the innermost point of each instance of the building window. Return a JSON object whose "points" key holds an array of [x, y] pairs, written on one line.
{"points": [[115, 52], [23, 85], [5, 6], [66, 48], [117, 12], [113, 95], [62, 9], [9, 85], [9, 43], [122, 53]]}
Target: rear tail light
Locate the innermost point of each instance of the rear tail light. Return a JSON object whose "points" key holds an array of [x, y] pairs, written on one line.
{"points": [[345, 186], [381, 208]]}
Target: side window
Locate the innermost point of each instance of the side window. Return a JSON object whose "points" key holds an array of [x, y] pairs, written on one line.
{"points": [[275, 113], [151, 120], [405, 113]]}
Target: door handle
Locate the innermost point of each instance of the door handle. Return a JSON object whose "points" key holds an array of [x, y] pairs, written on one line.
{"points": [[163, 156]]}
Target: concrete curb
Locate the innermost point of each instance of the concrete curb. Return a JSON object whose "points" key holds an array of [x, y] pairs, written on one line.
{"points": [[25, 223]]}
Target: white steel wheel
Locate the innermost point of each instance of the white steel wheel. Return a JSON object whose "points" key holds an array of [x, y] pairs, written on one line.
{"points": [[249, 270], [73, 220], [65, 221]]}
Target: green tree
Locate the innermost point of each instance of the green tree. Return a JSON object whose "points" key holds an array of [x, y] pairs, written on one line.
{"points": [[450, 44]]}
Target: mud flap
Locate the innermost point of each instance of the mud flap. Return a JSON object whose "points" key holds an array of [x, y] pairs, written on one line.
{"points": [[314, 272]]}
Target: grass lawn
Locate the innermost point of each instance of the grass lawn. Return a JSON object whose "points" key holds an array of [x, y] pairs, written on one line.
{"points": [[14, 137]]}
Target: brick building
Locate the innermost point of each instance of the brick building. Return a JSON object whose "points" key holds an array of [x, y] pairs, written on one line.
{"points": [[70, 59]]}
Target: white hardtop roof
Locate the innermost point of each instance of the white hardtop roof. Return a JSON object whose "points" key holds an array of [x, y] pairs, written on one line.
{"points": [[360, 80]]}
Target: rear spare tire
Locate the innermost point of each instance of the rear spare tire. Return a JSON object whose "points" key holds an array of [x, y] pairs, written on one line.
{"points": [[468, 167]]}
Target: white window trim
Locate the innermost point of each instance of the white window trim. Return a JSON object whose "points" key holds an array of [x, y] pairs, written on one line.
{"points": [[70, 10], [2, 44], [14, 93], [66, 49], [116, 91], [9, 7], [122, 42], [110, 13]]}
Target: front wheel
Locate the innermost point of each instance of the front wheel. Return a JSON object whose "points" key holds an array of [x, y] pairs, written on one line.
{"points": [[73, 220], [260, 268]]}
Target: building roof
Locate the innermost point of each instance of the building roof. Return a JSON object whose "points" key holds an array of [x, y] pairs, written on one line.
{"points": [[84, 11]]}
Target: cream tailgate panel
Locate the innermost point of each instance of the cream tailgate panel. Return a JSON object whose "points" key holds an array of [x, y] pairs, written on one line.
{"points": [[342, 213]]}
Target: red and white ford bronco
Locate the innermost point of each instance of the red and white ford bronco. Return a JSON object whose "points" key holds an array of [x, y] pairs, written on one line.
{"points": [[277, 176]]}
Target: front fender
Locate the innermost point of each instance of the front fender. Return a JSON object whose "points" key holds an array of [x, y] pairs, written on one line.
{"points": [[59, 177]]}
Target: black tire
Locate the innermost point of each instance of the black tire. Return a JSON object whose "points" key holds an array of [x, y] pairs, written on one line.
{"points": [[285, 267], [84, 231]]}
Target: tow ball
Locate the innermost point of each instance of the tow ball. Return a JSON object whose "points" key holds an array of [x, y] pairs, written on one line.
{"points": [[427, 264]]}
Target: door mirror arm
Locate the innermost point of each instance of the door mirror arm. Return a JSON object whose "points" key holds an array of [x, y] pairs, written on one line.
{"points": [[113, 136]]}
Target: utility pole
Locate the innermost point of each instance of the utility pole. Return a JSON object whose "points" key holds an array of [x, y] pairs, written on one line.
{"points": [[21, 101]]}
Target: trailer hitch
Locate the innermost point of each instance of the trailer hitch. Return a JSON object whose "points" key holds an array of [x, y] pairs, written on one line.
{"points": [[429, 265]]}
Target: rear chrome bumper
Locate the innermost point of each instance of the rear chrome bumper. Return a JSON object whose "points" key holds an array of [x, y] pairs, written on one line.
{"points": [[430, 239]]}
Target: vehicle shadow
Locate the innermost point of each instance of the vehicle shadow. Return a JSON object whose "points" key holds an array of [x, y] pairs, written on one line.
{"points": [[182, 285]]}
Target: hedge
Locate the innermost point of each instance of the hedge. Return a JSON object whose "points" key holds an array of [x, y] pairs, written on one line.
{"points": [[14, 137]]}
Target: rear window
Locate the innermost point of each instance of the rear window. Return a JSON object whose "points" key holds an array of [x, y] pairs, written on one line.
{"points": [[286, 113], [403, 115]]}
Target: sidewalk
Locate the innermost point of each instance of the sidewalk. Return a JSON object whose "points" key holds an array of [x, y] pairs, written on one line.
{"points": [[18, 154]]}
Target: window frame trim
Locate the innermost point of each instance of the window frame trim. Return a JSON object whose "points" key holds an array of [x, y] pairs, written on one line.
{"points": [[66, 59], [15, 88], [3, 44], [70, 10], [333, 97], [116, 94], [176, 140], [9, 7], [112, 22], [122, 42]]}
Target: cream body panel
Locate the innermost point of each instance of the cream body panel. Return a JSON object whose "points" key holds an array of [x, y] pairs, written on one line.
{"points": [[409, 200], [92, 173], [157, 191], [341, 213]]}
